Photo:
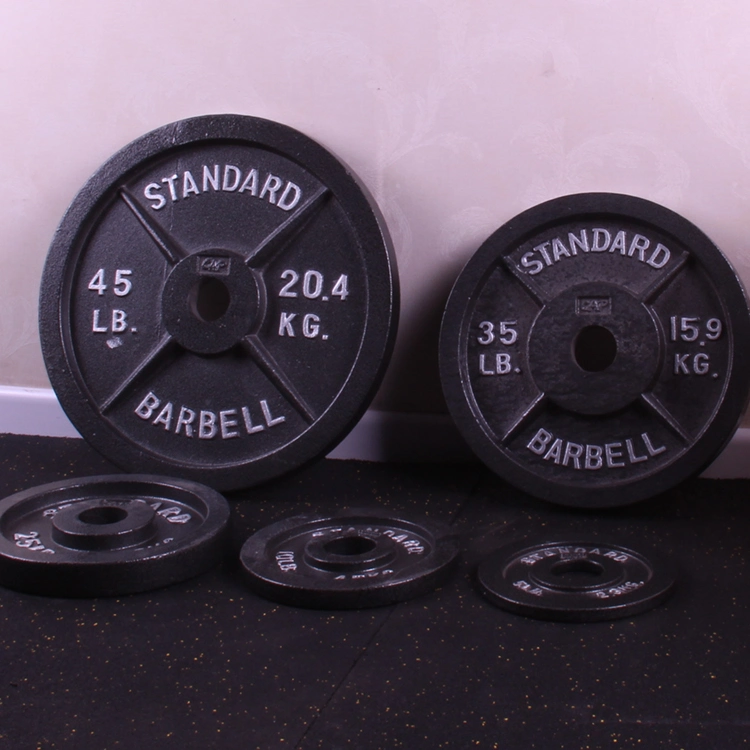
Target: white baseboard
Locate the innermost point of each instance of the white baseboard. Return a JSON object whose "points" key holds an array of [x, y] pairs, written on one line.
{"points": [[379, 435], [732, 462], [33, 411]]}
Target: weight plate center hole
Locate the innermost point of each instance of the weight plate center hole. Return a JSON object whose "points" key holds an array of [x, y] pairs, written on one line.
{"points": [[211, 302], [349, 546], [209, 299], [103, 515], [594, 348], [102, 526], [349, 552], [577, 575], [583, 570]]}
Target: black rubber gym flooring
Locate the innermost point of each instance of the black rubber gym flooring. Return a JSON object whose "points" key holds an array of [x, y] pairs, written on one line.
{"points": [[207, 664]]}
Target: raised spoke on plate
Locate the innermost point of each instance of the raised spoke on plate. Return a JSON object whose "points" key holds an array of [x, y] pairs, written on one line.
{"points": [[273, 371], [661, 283], [528, 284], [277, 240], [665, 416], [168, 246], [160, 352], [528, 414]]}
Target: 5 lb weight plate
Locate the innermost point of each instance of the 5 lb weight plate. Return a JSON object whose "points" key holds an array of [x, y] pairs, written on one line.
{"points": [[593, 350], [349, 560], [574, 581], [219, 301], [109, 535]]}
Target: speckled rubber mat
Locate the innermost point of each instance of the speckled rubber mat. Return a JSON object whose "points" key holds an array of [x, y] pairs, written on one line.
{"points": [[207, 664]]}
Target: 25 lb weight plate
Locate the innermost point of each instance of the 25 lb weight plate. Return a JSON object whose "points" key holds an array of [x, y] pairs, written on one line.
{"points": [[593, 350], [220, 301], [349, 560], [109, 535], [574, 581]]}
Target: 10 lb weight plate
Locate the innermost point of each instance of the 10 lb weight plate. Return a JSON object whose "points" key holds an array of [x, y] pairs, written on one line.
{"points": [[109, 535], [219, 301], [593, 350], [349, 560], [574, 581]]}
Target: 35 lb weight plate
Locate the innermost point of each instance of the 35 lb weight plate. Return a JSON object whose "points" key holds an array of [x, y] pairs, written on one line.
{"points": [[574, 581], [349, 560], [109, 535], [593, 351], [219, 301]]}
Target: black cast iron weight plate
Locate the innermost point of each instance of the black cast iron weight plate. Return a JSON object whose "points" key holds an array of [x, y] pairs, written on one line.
{"points": [[219, 302], [348, 560], [110, 535], [574, 581], [594, 352]]}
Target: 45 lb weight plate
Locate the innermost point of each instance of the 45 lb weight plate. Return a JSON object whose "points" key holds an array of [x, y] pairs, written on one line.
{"points": [[219, 301], [593, 351]]}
